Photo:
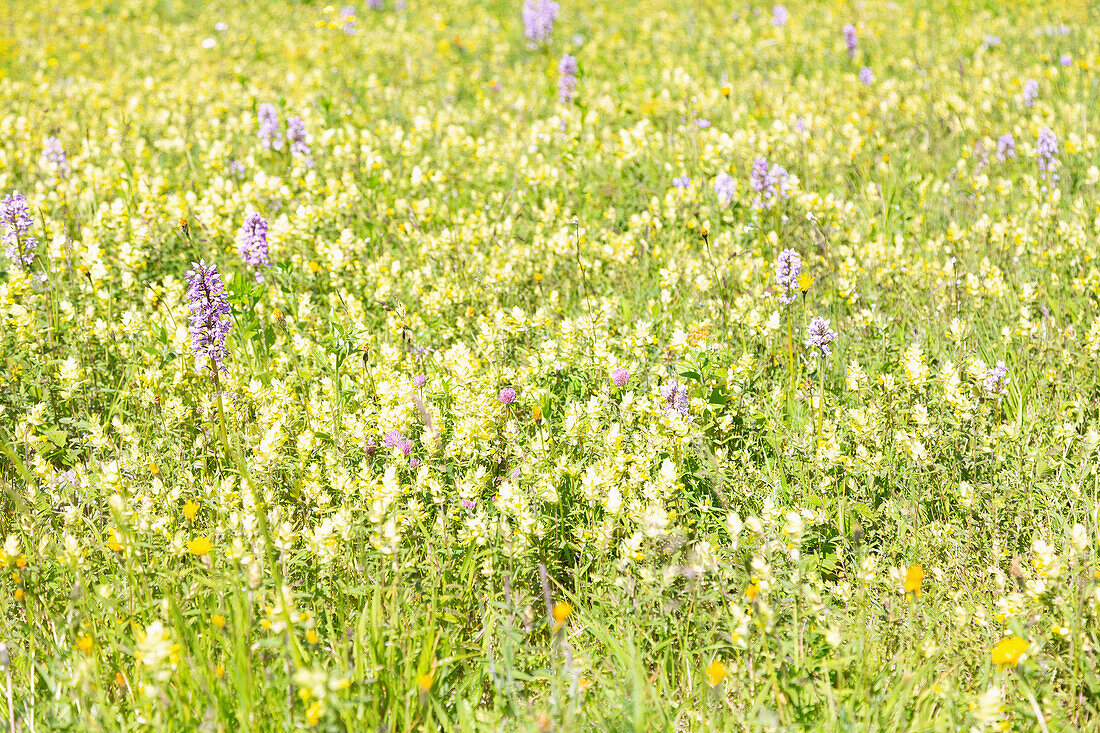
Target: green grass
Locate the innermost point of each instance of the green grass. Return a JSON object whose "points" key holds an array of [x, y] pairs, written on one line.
{"points": [[249, 551]]}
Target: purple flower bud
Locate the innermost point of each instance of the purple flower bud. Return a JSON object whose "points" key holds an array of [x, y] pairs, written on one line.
{"points": [[1031, 91], [299, 139], [851, 40], [209, 314], [567, 78], [394, 439], [682, 182], [996, 379], [507, 396], [252, 242], [724, 188], [1065, 59], [468, 505], [787, 269], [1046, 147], [620, 377], [15, 219], [770, 183], [866, 76], [780, 16], [53, 153], [819, 336], [702, 124], [419, 380], [538, 19], [676, 398], [1006, 147], [414, 463], [268, 119]]}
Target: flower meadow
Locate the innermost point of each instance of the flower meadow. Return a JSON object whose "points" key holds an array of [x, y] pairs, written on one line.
{"points": [[550, 366]]}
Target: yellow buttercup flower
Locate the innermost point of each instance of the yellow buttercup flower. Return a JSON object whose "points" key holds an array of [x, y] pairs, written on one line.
{"points": [[200, 546], [85, 644], [716, 673], [1008, 651], [189, 510], [914, 576], [562, 611]]}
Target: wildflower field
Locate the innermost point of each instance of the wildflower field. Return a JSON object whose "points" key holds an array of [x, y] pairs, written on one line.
{"points": [[549, 366]]}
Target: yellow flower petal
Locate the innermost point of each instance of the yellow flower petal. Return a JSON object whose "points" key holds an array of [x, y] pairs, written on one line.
{"points": [[716, 673], [914, 576], [1008, 651], [200, 546]]}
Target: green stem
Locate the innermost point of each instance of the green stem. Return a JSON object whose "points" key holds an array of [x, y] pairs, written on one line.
{"points": [[820, 396], [790, 351], [1034, 703]]}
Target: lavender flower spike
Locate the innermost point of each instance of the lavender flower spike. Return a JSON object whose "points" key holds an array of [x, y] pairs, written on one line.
{"points": [[1031, 91], [567, 78], [770, 183], [996, 379], [1006, 147], [209, 319], [819, 336], [53, 152], [850, 39], [15, 221], [676, 399], [724, 188], [538, 19], [269, 127], [787, 269], [299, 138], [252, 243], [1046, 147]]}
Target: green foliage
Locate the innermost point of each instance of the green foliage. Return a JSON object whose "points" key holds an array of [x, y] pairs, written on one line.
{"points": [[355, 528]]}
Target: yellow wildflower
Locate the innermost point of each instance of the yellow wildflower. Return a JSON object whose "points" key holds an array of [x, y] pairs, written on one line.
{"points": [[914, 576], [1008, 651], [716, 673], [562, 610], [200, 546]]}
